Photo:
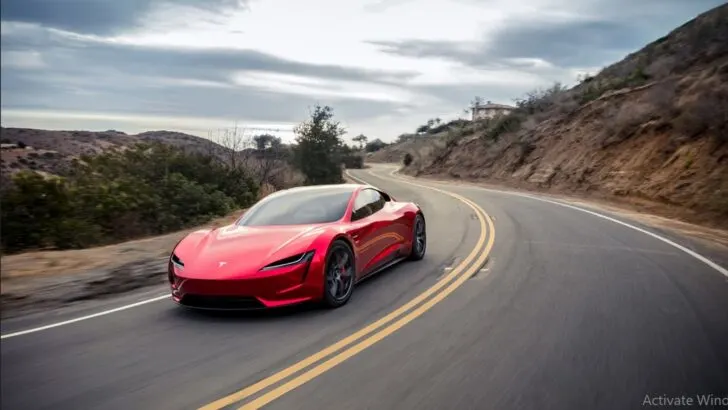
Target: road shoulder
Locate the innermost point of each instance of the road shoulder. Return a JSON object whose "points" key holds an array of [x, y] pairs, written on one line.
{"points": [[715, 238]]}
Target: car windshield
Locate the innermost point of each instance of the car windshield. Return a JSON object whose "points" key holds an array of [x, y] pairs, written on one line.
{"points": [[300, 207]]}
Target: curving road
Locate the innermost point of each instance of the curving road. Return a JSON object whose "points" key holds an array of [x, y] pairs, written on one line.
{"points": [[527, 305]]}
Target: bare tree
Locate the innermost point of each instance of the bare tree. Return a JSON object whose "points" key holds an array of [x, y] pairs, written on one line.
{"points": [[269, 154], [233, 144], [262, 157]]}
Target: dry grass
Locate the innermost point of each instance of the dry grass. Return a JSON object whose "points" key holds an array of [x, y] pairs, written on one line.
{"points": [[706, 111]]}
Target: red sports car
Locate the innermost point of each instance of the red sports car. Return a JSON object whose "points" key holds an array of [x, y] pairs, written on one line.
{"points": [[297, 245]]}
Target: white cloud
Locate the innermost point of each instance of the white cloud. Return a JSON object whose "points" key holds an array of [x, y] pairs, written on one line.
{"points": [[26, 60], [329, 31], [453, 74], [316, 31], [322, 87]]}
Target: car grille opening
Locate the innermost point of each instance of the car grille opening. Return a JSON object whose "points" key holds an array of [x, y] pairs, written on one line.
{"points": [[221, 302]]}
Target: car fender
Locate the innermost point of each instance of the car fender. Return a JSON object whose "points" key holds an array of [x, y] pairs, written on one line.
{"points": [[320, 245]]}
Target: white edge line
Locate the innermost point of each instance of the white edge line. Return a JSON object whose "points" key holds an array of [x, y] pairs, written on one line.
{"points": [[690, 252], [78, 319]]}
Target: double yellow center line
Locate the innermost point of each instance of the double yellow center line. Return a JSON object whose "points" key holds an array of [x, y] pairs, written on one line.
{"points": [[307, 369]]}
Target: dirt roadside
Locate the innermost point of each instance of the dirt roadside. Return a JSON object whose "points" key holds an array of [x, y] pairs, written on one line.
{"points": [[43, 280]]}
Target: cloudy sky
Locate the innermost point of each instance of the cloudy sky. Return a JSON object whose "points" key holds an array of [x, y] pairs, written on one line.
{"points": [[385, 66]]}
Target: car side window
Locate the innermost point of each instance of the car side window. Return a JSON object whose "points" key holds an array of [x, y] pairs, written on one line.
{"points": [[366, 203], [361, 206], [376, 200]]}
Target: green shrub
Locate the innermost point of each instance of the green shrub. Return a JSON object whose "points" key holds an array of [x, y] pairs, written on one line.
{"points": [[503, 125], [353, 161], [317, 153], [422, 129], [120, 195], [407, 160], [374, 146]]}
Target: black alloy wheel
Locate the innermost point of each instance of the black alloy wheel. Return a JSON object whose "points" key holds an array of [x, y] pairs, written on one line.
{"points": [[340, 275]]}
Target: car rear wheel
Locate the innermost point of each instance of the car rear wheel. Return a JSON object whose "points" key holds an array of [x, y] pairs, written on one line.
{"points": [[339, 275], [419, 238]]}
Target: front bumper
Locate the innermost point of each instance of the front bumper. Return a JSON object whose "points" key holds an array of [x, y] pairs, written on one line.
{"points": [[218, 302], [275, 288]]}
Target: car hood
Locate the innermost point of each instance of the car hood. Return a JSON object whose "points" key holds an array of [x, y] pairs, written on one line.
{"points": [[237, 251]]}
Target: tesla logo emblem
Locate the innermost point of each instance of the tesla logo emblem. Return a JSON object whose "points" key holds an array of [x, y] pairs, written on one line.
{"points": [[221, 264]]}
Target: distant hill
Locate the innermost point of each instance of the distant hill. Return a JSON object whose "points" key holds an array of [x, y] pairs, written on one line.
{"points": [[652, 128], [52, 151]]}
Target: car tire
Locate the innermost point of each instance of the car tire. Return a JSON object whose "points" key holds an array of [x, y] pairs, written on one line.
{"points": [[418, 247], [337, 249]]}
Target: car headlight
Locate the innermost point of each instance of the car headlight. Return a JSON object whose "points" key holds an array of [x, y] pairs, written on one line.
{"points": [[289, 261], [177, 261]]}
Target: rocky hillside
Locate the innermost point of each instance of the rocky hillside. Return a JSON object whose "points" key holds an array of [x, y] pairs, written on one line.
{"points": [[652, 128]]}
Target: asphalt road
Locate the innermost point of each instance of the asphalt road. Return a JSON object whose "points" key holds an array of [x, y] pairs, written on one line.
{"points": [[570, 311]]}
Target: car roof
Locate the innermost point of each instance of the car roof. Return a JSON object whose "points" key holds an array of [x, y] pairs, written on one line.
{"points": [[326, 187]]}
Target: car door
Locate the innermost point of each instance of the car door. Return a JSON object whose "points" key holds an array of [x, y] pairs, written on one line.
{"points": [[394, 230], [366, 229]]}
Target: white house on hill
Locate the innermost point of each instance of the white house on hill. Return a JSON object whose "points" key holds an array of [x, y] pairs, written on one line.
{"points": [[490, 110]]}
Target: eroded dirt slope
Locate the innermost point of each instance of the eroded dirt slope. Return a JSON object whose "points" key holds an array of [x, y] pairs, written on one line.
{"points": [[651, 130]]}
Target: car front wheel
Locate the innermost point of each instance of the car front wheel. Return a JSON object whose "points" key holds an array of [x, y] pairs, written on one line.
{"points": [[339, 275]]}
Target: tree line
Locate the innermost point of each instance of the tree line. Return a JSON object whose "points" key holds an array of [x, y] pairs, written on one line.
{"points": [[155, 188]]}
